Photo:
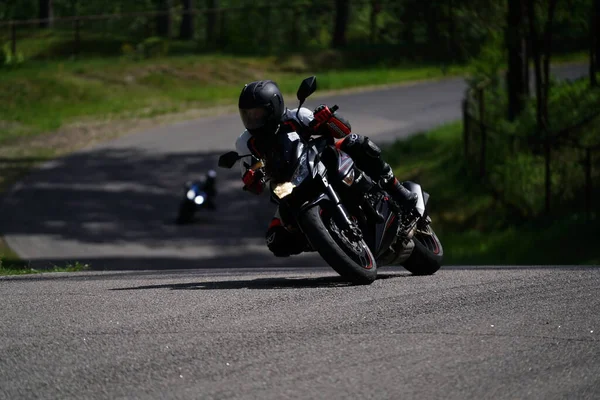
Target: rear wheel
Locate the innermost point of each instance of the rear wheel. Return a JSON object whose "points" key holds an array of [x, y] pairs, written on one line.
{"points": [[427, 255], [349, 257]]}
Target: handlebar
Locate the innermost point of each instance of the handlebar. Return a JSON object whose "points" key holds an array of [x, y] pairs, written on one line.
{"points": [[314, 122], [257, 165]]}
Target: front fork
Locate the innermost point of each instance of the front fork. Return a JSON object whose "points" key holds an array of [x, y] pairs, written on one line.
{"points": [[340, 215]]}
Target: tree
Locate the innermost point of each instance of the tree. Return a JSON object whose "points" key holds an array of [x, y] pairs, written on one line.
{"points": [[163, 20], [541, 45], [45, 12], [518, 70], [342, 12], [595, 43], [597, 29], [186, 29], [211, 21]]}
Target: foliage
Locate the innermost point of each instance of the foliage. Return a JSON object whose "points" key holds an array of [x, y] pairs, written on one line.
{"points": [[152, 47], [9, 59], [515, 157], [486, 66], [406, 30], [474, 225]]}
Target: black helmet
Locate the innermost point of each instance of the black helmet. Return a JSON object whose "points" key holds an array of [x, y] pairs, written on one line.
{"points": [[261, 107]]}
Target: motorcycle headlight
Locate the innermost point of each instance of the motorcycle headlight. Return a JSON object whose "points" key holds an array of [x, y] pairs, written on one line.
{"points": [[283, 189], [349, 178], [301, 171], [199, 200], [190, 194]]}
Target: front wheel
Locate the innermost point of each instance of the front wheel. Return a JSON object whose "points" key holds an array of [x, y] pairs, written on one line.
{"points": [[351, 258], [427, 255]]}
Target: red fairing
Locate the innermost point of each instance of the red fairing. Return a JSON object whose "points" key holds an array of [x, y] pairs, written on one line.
{"points": [[251, 182], [275, 222], [337, 128], [249, 177]]}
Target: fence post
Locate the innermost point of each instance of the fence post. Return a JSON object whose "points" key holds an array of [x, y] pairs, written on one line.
{"points": [[588, 181], [466, 127], [13, 39], [483, 131]]}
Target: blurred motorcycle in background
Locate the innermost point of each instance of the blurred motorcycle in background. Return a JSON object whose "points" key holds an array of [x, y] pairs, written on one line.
{"points": [[198, 195]]}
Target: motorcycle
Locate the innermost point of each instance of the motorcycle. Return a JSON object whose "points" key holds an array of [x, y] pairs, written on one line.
{"points": [[347, 218], [198, 195]]}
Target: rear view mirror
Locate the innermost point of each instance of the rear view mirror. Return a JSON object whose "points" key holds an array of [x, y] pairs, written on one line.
{"points": [[307, 87], [228, 159]]}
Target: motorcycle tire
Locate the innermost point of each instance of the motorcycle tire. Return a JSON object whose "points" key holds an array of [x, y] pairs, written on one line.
{"points": [[343, 256], [427, 255]]}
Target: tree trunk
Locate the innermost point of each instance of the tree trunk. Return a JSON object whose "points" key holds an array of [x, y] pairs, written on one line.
{"points": [[163, 21], [593, 67], [407, 17], [547, 51], [540, 49], [433, 19], [342, 12], [45, 8], [517, 67], [597, 33], [540, 46], [375, 8], [186, 29], [211, 22], [526, 59]]}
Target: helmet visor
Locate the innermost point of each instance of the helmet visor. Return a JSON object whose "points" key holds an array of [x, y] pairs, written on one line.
{"points": [[254, 118]]}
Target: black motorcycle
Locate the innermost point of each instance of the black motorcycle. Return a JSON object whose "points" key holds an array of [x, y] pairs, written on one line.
{"points": [[198, 195], [346, 217]]}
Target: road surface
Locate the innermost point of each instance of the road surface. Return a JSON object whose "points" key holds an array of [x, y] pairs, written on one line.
{"points": [[464, 333]]}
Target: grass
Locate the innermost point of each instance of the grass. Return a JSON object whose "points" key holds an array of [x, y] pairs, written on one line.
{"points": [[475, 228], [11, 264]]}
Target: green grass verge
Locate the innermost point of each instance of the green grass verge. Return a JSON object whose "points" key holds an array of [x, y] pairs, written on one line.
{"points": [[475, 228], [11, 264]]}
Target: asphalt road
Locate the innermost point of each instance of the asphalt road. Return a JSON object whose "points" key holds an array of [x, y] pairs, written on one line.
{"points": [[213, 315], [464, 333]]}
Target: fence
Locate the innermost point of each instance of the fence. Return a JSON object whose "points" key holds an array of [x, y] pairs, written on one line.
{"points": [[264, 27], [487, 147]]}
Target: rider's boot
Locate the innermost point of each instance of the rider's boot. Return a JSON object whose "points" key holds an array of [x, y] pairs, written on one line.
{"points": [[401, 195]]}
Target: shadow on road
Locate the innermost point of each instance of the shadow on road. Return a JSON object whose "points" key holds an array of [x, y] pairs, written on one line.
{"points": [[262, 283], [122, 203]]}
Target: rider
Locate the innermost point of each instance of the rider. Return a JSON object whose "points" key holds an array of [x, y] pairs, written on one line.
{"points": [[264, 116]]}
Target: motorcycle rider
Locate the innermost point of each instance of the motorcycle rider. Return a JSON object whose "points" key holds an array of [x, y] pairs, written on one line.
{"points": [[264, 116]]}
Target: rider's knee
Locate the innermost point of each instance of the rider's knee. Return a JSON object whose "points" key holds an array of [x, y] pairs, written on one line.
{"points": [[360, 146]]}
